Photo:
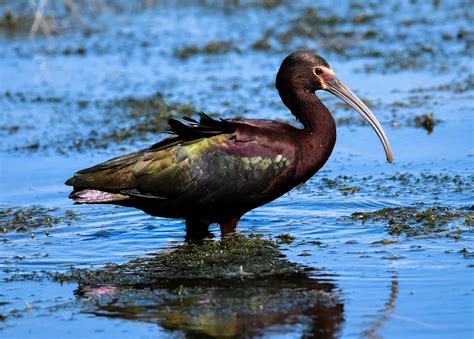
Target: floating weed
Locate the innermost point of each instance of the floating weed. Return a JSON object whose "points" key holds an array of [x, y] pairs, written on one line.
{"points": [[24, 219], [142, 115], [340, 184], [262, 44], [285, 238], [232, 257], [458, 85], [400, 183], [212, 47], [413, 221], [466, 253], [81, 50], [124, 119], [12, 23], [384, 242], [426, 121], [359, 32], [346, 190]]}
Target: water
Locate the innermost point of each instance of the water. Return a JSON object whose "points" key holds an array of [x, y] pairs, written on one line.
{"points": [[417, 286]]}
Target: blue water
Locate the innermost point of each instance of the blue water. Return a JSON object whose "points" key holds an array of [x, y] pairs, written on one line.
{"points": [[416, 287]]}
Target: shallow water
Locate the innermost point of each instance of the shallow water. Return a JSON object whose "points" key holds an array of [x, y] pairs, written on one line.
{"points": [[417, 286]]}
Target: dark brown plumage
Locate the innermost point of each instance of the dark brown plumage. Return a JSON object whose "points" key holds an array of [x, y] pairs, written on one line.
{"points": [[214, 171]]}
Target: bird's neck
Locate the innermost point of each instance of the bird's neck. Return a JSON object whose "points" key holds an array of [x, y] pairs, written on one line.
{"points": [[318, 136]]}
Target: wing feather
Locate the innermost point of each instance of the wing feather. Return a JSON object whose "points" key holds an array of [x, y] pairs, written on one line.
{"points": [[204, 161]]}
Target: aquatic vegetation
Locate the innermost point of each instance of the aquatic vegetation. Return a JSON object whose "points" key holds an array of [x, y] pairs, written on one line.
{"points": [[11, 129], [415, 221], [212, 47], [11, 23], [142, 116], [9, 20], [361, 32], [134, 118], [426, 121], [24, 219], [198, 287], [384, 242], [346, 190], [262, 44], [285, 238], [78, 51], [399, 183], [233, 257]]}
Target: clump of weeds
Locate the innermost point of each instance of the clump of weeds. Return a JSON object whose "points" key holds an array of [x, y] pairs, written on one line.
{"points": [[417, 221], [426, 121], [233, 257], [211, 48], [27, 219]]}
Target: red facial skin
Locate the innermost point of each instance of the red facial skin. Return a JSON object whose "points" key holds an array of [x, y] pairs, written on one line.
{"points": [[325, 74]]}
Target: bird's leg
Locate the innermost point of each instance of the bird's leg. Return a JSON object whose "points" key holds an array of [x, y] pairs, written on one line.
{"points": [[197, 229], [229, 226]]}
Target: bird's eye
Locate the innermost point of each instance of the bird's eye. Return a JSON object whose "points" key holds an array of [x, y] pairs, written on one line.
{"points": [[318, 71]]}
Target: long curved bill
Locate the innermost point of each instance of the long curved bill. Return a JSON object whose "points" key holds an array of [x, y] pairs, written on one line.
{"points": [[336, 87]]}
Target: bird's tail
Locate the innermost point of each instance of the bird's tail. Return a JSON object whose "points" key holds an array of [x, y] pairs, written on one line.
{"points": [[90, 196]]}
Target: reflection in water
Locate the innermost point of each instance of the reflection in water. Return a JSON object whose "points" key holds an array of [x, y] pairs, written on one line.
{"points": [[232, 307], [385, 312]]}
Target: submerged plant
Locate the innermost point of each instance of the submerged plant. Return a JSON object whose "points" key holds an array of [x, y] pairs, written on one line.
{"points": [[426, 121], [23, 219], [413, 221], [212, 47], [236, 256]]}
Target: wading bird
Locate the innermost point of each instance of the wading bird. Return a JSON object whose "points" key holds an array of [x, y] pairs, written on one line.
{"points": [[215, 171]]}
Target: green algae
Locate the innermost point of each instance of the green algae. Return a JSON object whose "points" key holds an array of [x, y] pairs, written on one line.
{"points": [[346, 190], [384, 242], [285, 238], [11, 23], [426, 121], [211, 48], [128, 118], [459, 85], [340, 183], [400, 183], [360, 32], [25, 219], [16, 97], [416, 221], [9, 20], [262, 44], [142, 117], [234, 257]]}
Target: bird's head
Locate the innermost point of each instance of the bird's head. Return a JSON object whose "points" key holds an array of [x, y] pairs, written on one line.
{"points": [[310, 72]]}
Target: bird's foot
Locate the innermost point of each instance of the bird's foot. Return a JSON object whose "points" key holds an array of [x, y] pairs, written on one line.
{"points": [[229, 227]]}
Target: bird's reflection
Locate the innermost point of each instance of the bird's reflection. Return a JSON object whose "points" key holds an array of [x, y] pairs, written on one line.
{"points": [[244, 308], [385, 313]]}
